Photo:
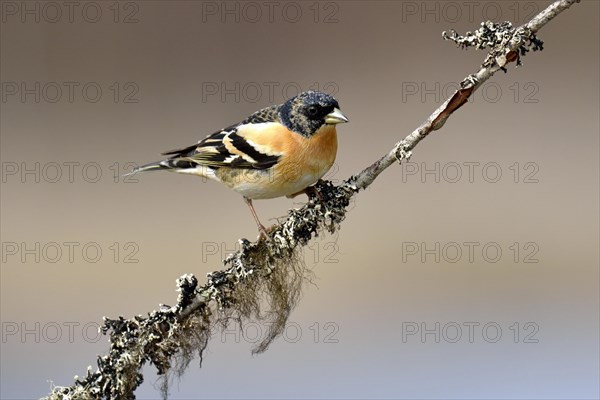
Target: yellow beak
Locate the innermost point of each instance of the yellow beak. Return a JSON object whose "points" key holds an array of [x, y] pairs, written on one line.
{"points": [[335, 117]]}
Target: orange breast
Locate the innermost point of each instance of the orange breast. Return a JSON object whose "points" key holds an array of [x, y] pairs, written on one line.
{"points": [[307, 160]]}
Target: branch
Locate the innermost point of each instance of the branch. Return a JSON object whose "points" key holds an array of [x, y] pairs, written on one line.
{"points": [[270, 273]]}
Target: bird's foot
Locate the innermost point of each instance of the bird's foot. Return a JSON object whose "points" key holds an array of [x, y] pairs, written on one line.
{"points": [[264, 233], [311, 192]]}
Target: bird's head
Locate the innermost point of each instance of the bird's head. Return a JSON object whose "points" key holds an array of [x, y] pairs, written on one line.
{"points": [[309, 111]]}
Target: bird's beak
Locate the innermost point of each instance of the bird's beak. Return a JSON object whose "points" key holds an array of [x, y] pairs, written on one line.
{"points": [[335, 117]]}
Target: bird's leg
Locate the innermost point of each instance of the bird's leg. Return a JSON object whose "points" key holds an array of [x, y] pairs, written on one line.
{"points": [[261, 229]]}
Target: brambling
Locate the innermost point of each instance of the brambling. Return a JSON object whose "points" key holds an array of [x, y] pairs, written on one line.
{"points": [[277, 151]]}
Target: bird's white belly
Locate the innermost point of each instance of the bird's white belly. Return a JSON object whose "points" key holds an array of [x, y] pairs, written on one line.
{"points": [[257, 184]]}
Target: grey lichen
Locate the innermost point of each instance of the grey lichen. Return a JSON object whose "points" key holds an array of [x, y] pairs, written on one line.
{"points": [[498, 37]]}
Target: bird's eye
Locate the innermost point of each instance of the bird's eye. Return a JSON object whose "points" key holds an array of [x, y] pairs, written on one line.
{"points": [[312, 110]]}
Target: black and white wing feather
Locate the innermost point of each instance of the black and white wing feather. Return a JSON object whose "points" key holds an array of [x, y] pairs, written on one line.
{"points": [[225, 148]]}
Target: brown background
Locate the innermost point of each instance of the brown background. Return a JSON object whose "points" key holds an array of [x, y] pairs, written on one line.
{"points": [[544, 117]]}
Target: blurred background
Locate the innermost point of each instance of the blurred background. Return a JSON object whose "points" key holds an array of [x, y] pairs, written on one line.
{"points": [[471, 272]]}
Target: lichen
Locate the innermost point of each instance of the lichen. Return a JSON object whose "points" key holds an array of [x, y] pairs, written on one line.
{"points": [[497, 37]]}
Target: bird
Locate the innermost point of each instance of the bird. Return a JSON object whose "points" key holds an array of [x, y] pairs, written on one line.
{"points": [[277, 151]]}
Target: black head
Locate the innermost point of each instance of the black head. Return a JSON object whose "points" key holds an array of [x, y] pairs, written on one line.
{"points": [[309, 111]]}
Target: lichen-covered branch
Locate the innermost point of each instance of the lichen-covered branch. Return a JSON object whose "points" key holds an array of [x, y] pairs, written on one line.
{"points": [[264, 279]]}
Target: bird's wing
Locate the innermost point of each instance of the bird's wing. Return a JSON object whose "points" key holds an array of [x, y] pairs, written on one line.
{"points": [[245, 145]]}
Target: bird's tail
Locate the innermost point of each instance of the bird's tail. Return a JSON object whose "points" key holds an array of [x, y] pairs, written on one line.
{"points": [[155, 166], [171, 164]]}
